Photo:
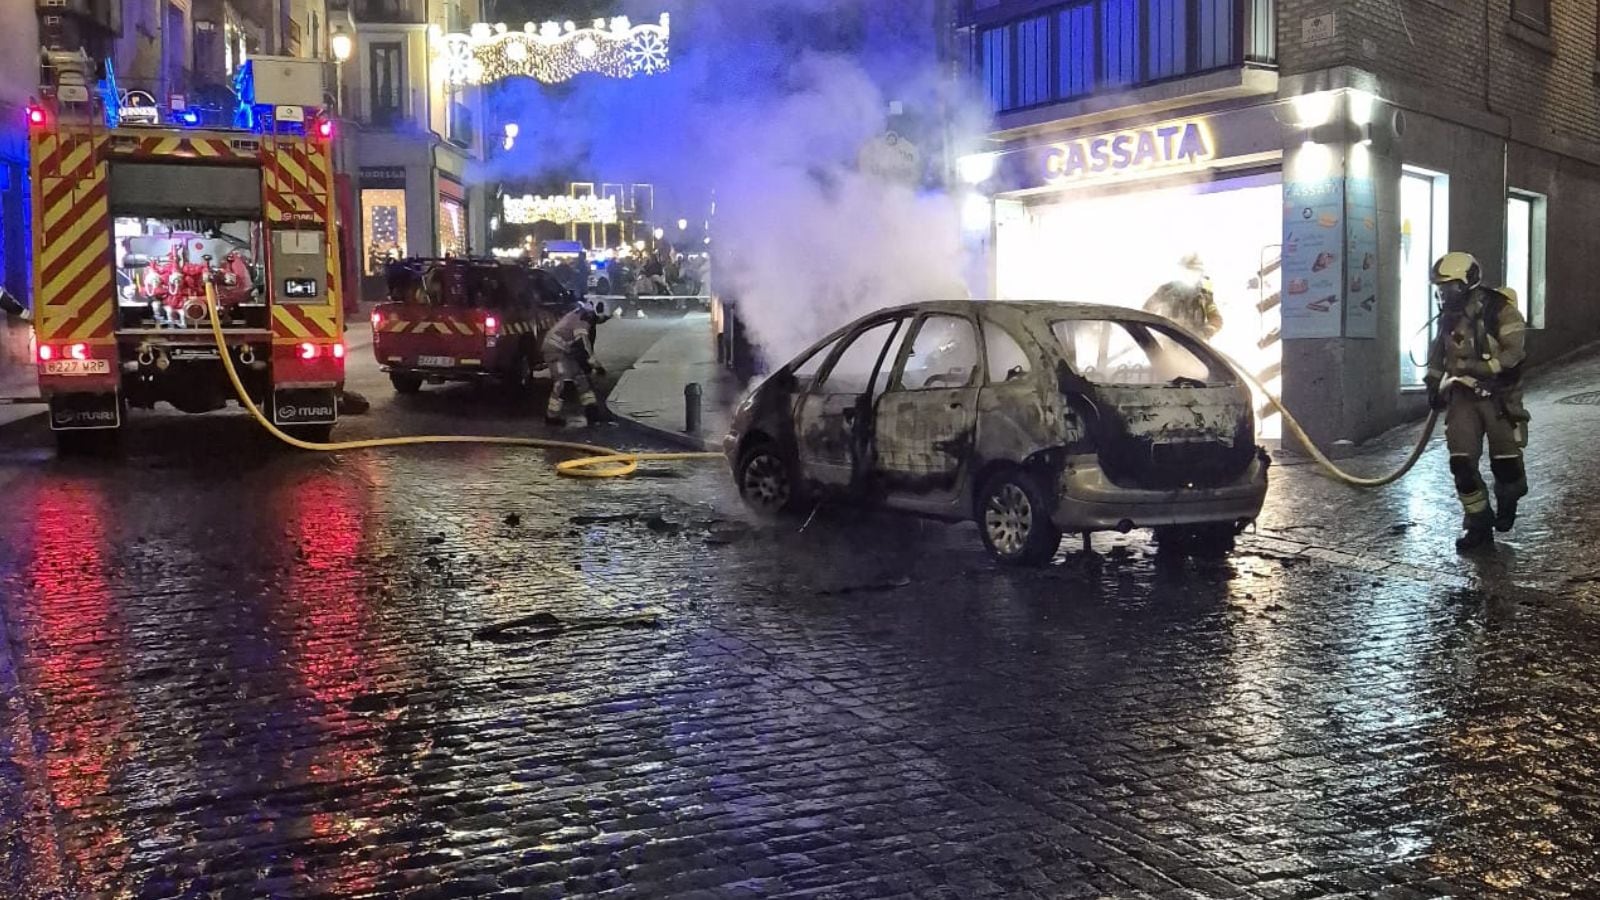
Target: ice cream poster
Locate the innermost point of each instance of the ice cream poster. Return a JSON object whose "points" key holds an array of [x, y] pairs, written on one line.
{"points": [[1361, 259], [1313, 258]]}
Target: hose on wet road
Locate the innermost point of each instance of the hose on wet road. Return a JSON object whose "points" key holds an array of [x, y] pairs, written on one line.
{"points": [[593, 461]]}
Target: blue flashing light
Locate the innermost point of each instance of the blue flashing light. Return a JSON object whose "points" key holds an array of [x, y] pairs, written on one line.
{"points": [[110, 97], [189, 117]]}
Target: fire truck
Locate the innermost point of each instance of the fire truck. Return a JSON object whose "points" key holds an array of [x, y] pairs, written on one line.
{"points": [[134, 222]]}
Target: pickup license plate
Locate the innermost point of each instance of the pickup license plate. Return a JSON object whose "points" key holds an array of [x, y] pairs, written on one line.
{"points": [[436, 362], [78, 367]]}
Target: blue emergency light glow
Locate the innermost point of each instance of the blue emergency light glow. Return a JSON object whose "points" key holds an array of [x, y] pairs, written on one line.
{"points": [[189, 117]]}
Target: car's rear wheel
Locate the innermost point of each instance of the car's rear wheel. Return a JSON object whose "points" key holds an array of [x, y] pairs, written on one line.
{"points": [[1213, 540], [405, 383], [766, 479], [1014, 518]]}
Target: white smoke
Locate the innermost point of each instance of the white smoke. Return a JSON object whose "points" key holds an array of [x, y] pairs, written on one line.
{"points": [[768, 109]]}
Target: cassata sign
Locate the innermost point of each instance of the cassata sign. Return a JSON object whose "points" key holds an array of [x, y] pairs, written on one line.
{"points": [[1168, 146]]}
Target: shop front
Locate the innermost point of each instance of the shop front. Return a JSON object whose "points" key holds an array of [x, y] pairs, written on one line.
{"points": [[1111, 215]]}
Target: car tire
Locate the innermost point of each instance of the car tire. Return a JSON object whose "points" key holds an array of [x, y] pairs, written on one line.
{"points": [[405, 383], [1014, 519], [1214, 540], [766, 479]]}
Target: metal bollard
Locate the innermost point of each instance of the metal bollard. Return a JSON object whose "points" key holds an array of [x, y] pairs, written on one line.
{"points": [[691, 408]]}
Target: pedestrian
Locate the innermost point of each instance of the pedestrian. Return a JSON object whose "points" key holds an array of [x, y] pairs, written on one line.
{"points": [[1188, 300], [569, 355], [1475, 378]]}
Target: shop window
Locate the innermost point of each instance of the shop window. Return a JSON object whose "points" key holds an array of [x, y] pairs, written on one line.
{"points": [[1525, 253], [1532, 13], [996, 66], [1033, 61], [1120, 42], [383, 222], [387, 80], [452, 227], [944, 355], [1424, 237], [1168, 38], [1077, 50]]}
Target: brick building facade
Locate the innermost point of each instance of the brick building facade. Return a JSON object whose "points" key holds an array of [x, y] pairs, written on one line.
{"points": [[1346, 143]]}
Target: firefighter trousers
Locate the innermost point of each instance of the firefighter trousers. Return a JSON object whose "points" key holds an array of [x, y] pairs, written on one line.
{"points": [[1470, 422], [565, 369]]}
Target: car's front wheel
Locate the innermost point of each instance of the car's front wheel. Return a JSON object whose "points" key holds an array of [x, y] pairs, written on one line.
{"points": [[766, 479], [1014, 518]]}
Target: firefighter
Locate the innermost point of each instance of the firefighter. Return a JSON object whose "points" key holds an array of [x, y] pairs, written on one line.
{"points": [[1474, 377], [568, 353], [1188, 300]]}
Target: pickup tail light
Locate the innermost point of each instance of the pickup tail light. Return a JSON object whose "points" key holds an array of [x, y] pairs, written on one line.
{"points": [[377, 320], [491, 325]]}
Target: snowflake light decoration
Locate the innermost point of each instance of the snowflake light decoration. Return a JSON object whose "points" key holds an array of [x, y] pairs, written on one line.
{"points": [[555, 52], [526, 210]]}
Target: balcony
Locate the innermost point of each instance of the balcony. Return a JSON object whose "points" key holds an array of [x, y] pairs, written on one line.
{"points": [[1029, 56], [389, 12]]}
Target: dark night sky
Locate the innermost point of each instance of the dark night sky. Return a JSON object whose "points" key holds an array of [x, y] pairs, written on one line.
{"points": [[514, 11]]}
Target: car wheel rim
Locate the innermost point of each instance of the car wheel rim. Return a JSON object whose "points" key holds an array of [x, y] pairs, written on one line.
{"points": [[766, 482], [1008, 519]]}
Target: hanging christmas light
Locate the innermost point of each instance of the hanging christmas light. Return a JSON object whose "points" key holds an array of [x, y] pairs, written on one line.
{"points": [[526, 210], [554, 52]]}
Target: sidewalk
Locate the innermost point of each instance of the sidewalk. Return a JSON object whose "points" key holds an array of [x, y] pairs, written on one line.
{"points": [[650, 394], [17, 376]]}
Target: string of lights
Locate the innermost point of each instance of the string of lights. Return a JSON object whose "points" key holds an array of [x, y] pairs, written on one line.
{"points": [[526, 210], [554, 52]]}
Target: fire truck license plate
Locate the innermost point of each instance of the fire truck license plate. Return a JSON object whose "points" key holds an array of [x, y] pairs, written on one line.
{"points": [[436, 362], [78, 367]]}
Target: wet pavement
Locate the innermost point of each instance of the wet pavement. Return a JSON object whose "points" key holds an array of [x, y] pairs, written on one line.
{"points": [[234, 670]]}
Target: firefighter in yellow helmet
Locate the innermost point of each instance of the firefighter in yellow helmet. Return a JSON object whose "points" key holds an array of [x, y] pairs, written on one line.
{"points": [[1475, 378], [1187, 299]]}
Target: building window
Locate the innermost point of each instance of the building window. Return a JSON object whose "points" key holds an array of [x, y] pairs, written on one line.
{"points": [[996, 67], [1168, 38], [1033, 62], [1213, 42], [1120, 40], [1424, 237], [452, 227], [1533, 13], [1525, 253], [383, 220], [1077, 50], [387, 80]]}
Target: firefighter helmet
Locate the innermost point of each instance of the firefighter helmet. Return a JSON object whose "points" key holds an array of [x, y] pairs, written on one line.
{"points": [[1458, 267]]}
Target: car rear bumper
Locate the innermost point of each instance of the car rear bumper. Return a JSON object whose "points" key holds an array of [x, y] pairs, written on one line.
{"points": [[1088, 501]]}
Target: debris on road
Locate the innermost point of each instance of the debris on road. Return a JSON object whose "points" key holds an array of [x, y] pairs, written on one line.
{"points": [[544, 625]]}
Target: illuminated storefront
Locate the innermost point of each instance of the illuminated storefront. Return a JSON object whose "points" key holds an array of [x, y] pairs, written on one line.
{"points": [[453, 239], [383, 218]]}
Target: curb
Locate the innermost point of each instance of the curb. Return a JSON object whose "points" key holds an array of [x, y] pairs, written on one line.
{"points": [[677, 438]]}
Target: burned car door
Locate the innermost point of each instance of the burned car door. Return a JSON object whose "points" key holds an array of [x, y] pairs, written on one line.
{"points": [[831, 426], [924, 423]]}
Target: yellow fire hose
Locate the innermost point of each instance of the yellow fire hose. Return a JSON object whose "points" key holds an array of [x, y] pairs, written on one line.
{"points": [[606, 462], [598, 462]]}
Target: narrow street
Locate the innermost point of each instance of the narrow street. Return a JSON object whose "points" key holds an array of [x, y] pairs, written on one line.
{"points": [[230, 669]]}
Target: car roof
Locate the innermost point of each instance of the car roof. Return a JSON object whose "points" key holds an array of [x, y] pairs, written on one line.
{"points": [[1053, 310]]}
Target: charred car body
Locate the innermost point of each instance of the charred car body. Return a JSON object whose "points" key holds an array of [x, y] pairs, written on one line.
{"points": [[1033, 419]]}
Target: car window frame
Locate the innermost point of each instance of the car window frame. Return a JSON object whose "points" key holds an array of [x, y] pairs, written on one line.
{"points": [[895, 379], [1034, 363], [819, 385], [1213, 361]]}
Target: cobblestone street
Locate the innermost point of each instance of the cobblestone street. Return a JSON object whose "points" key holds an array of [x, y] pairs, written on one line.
{"points": [[235, 670]]}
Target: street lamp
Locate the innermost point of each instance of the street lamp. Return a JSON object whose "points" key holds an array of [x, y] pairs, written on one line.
{"points": [[660, 233], [683, 224], [342, 45]]}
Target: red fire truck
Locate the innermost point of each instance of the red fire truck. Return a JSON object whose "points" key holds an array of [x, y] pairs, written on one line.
{"points": [[131, 225]]}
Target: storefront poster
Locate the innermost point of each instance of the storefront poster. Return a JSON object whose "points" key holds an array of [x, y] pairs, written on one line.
{"points": [[1361, 259], [1313, 250]]}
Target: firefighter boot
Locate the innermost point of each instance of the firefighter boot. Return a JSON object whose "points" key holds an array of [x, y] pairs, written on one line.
{"points": [[592, 414], [1510, 485], [1479, 530], [1478, 521]]}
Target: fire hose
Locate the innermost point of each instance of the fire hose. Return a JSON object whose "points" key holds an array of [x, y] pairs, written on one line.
{"points": [[606, 462], [597, 462]]}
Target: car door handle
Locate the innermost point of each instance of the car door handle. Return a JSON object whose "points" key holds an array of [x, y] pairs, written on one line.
{"points": [[849, 414], [957, 405]]}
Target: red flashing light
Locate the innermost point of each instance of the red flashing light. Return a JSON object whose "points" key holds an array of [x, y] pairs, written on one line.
{"points": [[492, 324], [377, 320], [308, 350], [338, 350], [78, 351], [36, 115], [46, 353], [325, 129]]}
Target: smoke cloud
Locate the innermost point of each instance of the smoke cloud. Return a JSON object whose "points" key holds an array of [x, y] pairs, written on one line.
{"points": [[767, 108]]}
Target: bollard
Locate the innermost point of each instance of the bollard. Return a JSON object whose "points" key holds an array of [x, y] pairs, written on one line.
{"points": [[691, 408]]}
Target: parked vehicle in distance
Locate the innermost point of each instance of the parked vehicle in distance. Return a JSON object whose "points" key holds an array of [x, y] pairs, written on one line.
{"points": [[461, 319], [1032, 419]]}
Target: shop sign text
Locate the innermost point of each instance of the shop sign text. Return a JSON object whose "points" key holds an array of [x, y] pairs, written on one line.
{"points": [[1172, 145]]}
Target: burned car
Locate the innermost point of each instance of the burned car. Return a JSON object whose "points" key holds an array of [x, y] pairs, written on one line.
{"points": [[1032, 419]]}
